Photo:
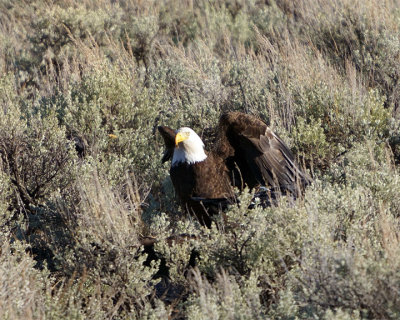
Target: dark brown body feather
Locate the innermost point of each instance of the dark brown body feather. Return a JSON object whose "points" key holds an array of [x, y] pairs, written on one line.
{"points": [[247, 153], [207, 179], [247, 143]]}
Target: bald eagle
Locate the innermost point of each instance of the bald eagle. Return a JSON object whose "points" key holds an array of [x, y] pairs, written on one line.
{"points": [[246, 153]]}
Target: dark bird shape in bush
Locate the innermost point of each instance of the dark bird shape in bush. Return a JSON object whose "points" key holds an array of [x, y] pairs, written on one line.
{"points": [[246, 153]]}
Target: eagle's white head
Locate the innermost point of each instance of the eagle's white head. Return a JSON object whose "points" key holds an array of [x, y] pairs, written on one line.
{"points": [[188, 147]]}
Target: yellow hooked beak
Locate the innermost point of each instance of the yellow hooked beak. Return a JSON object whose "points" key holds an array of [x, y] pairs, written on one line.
{"points": [[181, 136]]}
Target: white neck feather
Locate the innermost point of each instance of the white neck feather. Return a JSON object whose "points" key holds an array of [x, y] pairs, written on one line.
{"points": [[188, 156]]}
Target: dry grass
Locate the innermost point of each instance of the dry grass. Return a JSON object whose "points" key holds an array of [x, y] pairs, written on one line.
{"points": [[83, 87]]}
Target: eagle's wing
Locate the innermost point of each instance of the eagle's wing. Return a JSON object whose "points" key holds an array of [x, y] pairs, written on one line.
{"points": [[168, 135], [249, 145]]}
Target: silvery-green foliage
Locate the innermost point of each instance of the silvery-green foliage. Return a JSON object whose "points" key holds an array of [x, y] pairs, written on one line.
{"points": [[84, 86], [228, 297], [23, 290]]}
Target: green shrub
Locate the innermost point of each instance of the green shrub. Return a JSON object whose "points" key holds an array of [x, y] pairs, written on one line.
{"points": [[310, 140], [35, 153], [84, 86], [352, 239], [23, 293], [362, 33], [227, 298]]}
